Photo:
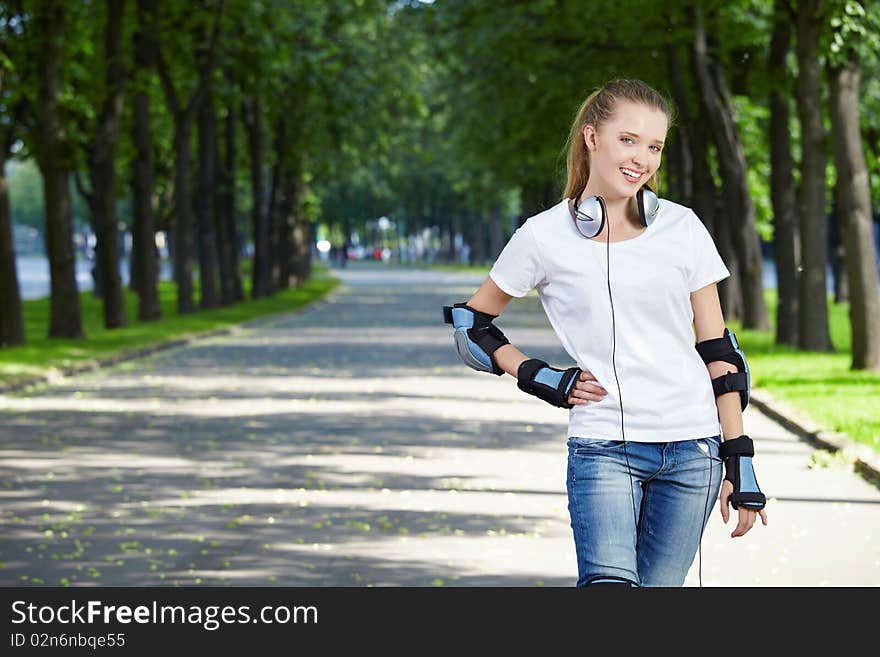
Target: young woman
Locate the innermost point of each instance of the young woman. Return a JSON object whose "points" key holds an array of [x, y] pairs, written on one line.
{"points": [[625, 278]]}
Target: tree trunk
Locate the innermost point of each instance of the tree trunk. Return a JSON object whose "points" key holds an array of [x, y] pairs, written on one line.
{"points": [[836, 251], [261, 272], [709, 207], [786, 240], [11, 320], [288, 231], [182, 222], [704, 193], [730, 291], [224, 251], [145, 261], [65, 320], [854, 215], [681, 147], [496, 232], [813, 333], [207, 176], [227, 207], [478, 251], [302, 240], [732, 165], [12, 331], [184, 115], [101, 156], [281, 211], [276, 215]]}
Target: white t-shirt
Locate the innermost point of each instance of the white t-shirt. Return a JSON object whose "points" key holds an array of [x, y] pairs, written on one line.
{"points": [[665, 385]]}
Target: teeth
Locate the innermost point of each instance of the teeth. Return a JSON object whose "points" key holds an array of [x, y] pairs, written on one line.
{"points": [[631, 173]]}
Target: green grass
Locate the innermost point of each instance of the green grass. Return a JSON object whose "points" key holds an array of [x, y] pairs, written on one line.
{"points": [[820, 385], [41, 355]]}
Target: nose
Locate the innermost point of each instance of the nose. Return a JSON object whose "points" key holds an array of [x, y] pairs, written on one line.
{"points": [[641, 157]]}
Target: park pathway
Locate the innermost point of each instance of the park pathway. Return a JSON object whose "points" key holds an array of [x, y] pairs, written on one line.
{"points": [[346, 445]]}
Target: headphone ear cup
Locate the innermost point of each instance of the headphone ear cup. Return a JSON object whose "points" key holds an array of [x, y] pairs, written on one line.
{"points": [[649, 205], [589, 216]]}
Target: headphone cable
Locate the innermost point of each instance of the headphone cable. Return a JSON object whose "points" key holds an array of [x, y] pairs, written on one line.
{"points": [[617, 379], [623, 433]]}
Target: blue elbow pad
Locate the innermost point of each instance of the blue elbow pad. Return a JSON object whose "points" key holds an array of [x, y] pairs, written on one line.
{"points": [[727, 349], [476, 337]]}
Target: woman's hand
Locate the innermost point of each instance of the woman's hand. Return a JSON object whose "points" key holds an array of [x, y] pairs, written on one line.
{"points": [[586, 389], [747, 517]]}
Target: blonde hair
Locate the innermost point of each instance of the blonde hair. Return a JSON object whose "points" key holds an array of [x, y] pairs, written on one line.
{"points": [[597, 109]]}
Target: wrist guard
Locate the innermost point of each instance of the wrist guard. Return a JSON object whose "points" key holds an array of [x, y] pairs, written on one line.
{"points": [[544, 382], [476, 337], [737, 454]]}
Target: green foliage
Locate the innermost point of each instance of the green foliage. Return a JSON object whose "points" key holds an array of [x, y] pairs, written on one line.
{"points": [[854, 27], [753, 121], [433, 114]]}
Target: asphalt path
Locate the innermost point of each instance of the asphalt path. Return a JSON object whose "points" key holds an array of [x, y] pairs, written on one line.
{"points": [[346, 445]]}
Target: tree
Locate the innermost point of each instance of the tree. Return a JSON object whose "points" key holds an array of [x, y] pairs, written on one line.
{"points": [[46, 36], [206, 182], [813, 333], [12, 108], [230, 273], [740, 211], [101, 160], [786, 240], [145, 262], [854, 201], [184, 111]]}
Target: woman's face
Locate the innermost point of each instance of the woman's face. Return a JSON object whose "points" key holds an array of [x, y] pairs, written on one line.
{"points": [[625, 151]]}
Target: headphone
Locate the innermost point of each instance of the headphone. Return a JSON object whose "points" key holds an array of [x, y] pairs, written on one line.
{"points": [[589, 218], [589, 214]]}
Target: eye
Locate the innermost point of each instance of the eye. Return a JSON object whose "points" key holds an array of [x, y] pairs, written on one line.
{"points": [[626, 139], [656, 148]]}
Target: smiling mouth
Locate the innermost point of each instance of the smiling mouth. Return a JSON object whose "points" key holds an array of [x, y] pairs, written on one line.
{"points": [[630, 175]]}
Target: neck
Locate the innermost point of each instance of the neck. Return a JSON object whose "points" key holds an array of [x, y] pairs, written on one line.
{"points": [[622, 210]]}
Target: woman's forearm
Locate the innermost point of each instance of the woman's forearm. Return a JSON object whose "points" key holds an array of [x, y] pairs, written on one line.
{"points": [[729, 405], [509, 358]]}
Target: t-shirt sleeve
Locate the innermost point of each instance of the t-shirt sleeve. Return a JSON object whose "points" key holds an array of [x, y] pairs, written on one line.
{"points": [[518, 268], [706, 265]]}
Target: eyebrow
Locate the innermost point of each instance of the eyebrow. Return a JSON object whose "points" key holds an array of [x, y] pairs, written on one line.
{"points": [[635, 134]]}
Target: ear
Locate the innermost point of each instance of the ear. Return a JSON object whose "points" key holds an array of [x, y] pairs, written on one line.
{"points": [[590, 137]]}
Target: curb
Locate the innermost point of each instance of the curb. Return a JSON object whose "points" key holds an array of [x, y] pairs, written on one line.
{"points": [[865, 460]]}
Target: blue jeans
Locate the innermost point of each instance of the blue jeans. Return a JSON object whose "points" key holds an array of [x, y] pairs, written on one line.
{"points": [[674, 486]]}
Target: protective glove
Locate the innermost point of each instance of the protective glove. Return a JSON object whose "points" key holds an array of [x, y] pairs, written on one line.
{"points": [[548, 383], [737, 455]]}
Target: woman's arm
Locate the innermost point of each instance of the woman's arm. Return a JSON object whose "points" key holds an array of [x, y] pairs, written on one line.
{"points": [[493, 300], [709, 323]]}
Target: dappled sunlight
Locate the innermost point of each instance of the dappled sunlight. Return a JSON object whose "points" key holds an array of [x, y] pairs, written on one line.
{"points": [[333, 447], [299, 404]]}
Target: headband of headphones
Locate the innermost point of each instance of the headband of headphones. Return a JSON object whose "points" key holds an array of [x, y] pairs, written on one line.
{"points": [[589, 215]]}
